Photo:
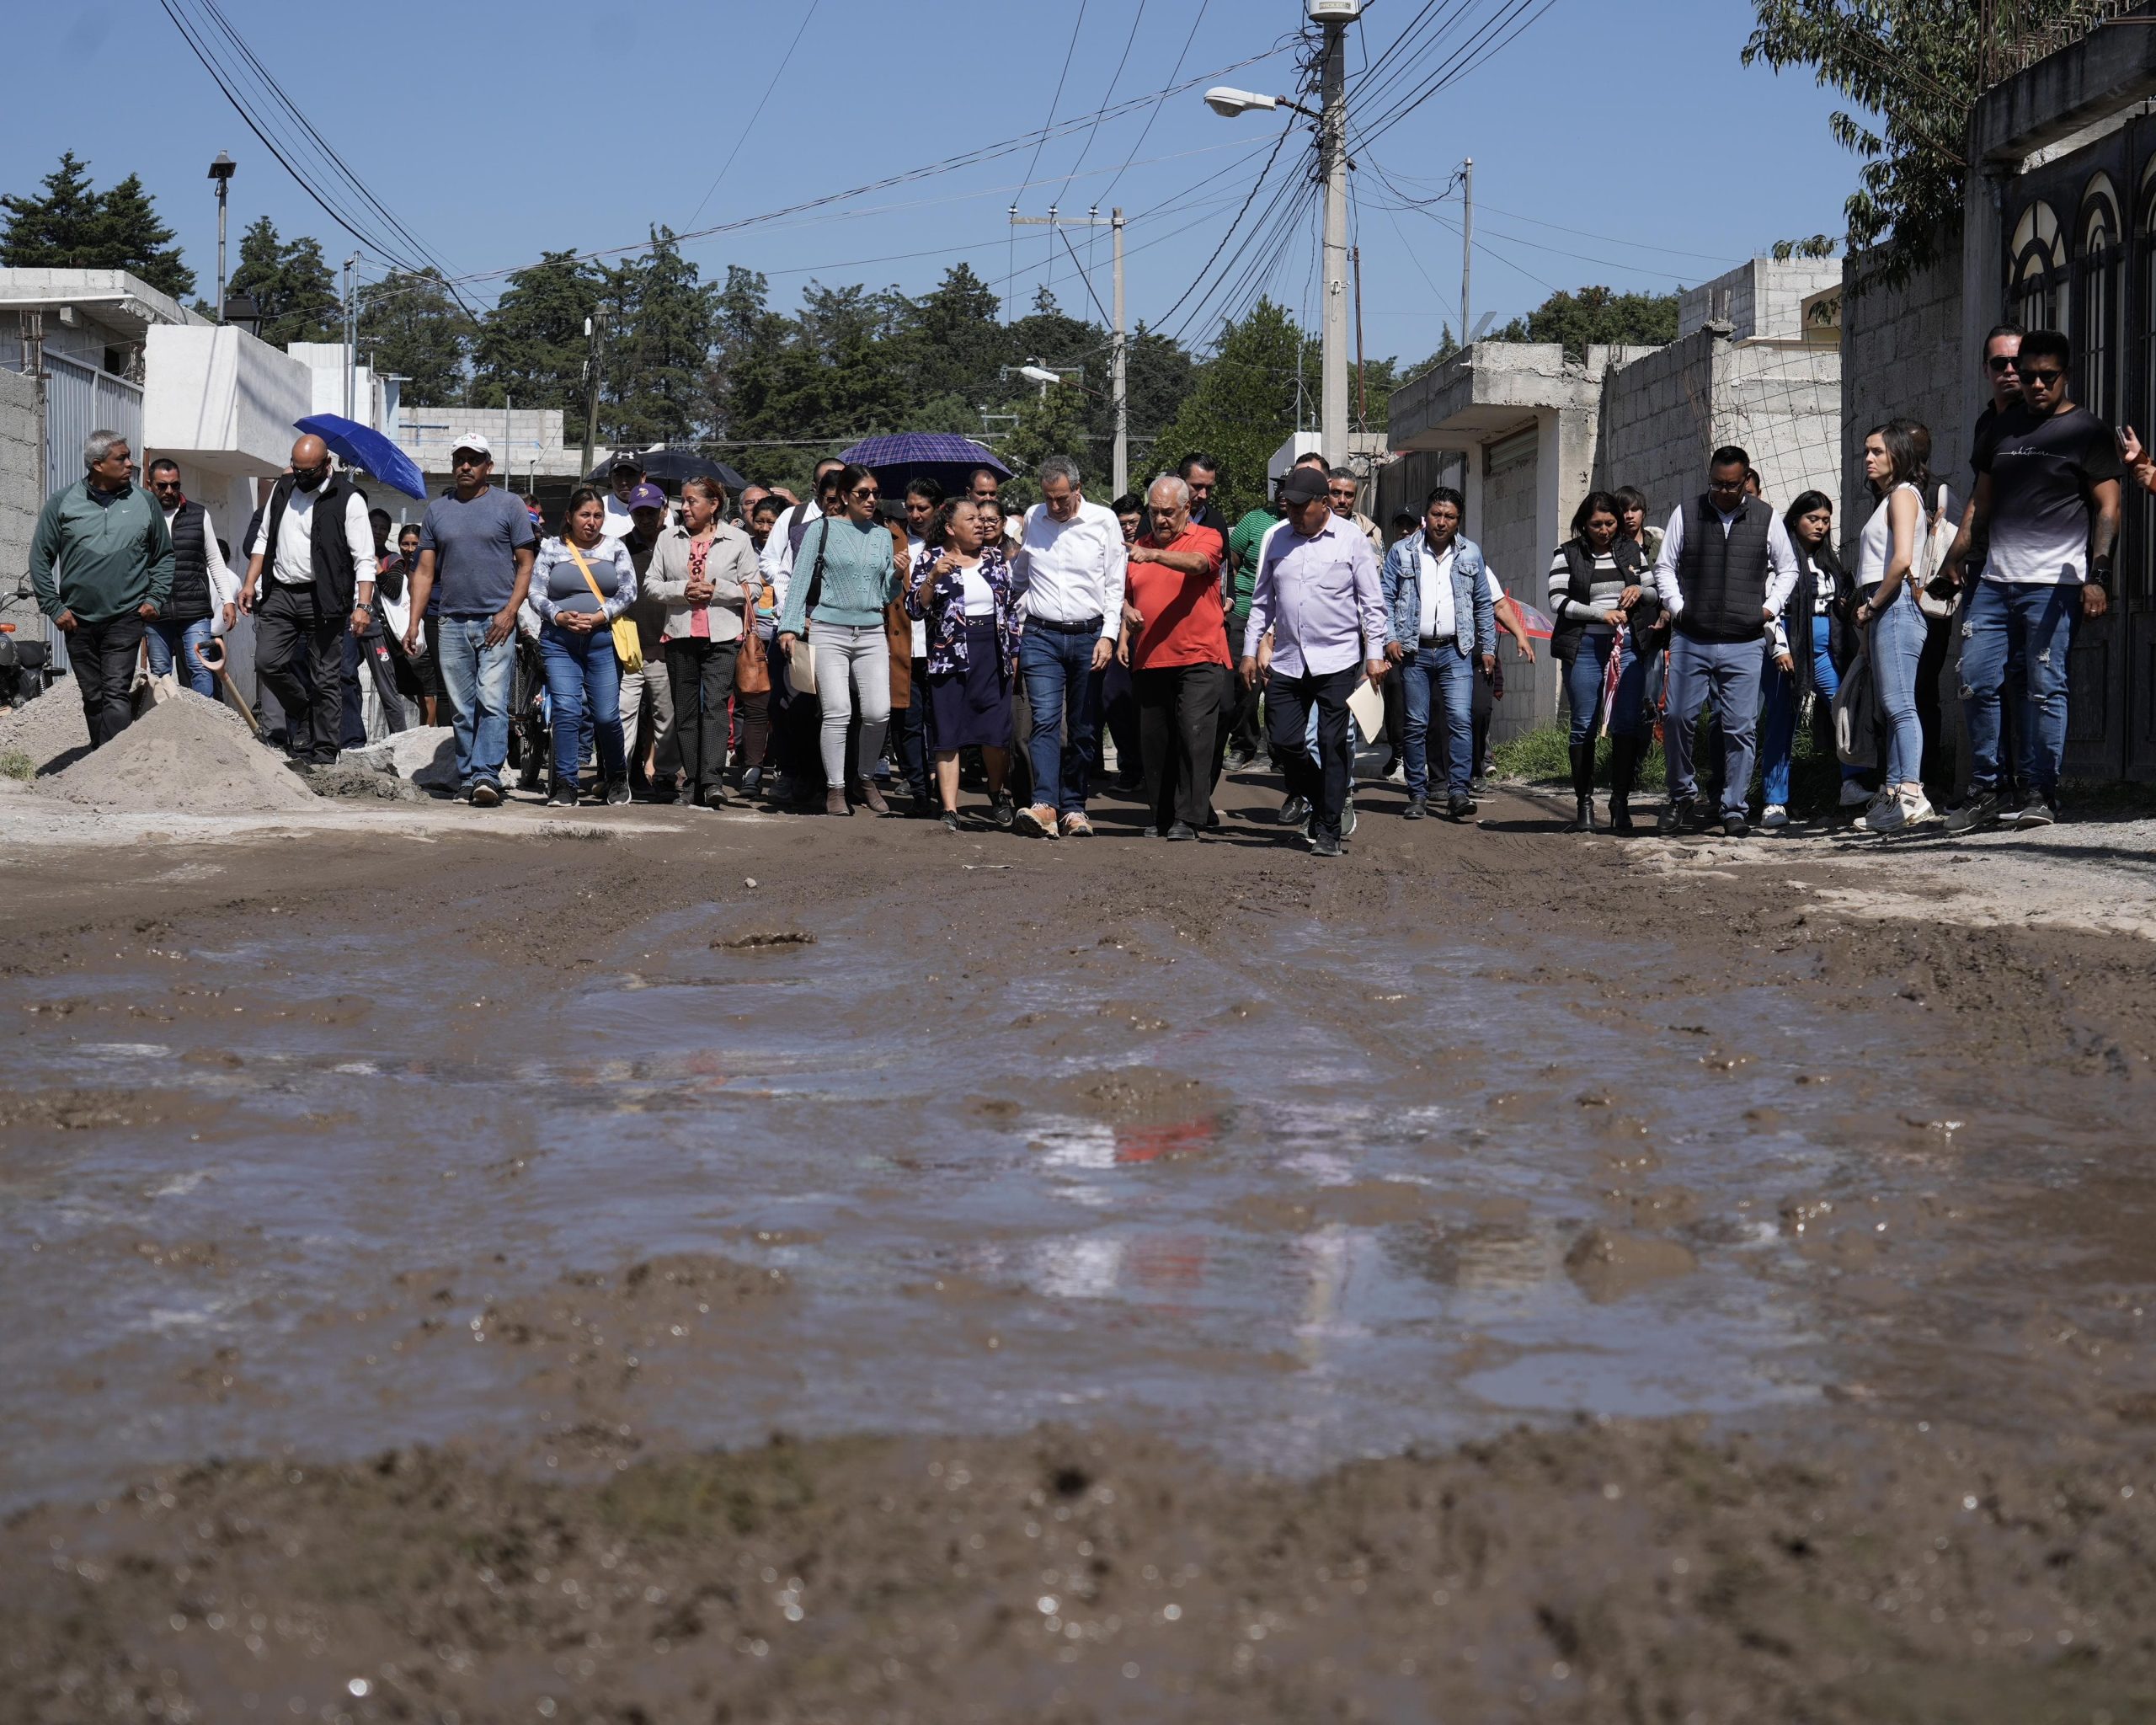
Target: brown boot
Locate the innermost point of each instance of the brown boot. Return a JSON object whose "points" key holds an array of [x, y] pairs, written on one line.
{"points": [[872, 798], [834, 802]]}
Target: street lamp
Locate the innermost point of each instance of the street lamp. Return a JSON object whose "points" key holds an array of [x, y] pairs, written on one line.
{"points": [[1227, 101], [221, 170]]}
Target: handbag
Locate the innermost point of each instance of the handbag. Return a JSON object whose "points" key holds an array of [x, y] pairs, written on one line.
{"points": [[801, 663], [752, 668], [628, 644], [1856, 709], [1936, 593]]}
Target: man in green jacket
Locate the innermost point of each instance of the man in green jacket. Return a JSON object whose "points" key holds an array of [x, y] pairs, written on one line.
{"points": [[101, 567]]}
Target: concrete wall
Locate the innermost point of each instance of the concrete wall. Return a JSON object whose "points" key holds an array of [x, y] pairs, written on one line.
{"points": [[1508, 527], [1902, 356], [22, 493], [1782, 403], [1657, 422], [1762, 298]]}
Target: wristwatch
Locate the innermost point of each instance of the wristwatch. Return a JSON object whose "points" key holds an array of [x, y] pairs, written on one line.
{"points": [[2100, 573]]}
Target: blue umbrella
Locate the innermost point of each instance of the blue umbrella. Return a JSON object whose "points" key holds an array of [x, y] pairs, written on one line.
{"points": [[359, 445], [898, 461]]}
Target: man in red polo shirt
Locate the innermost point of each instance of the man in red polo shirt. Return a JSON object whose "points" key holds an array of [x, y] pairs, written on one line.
{"points": [[1177, 650]]}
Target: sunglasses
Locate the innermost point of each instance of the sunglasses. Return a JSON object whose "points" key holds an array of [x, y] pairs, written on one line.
{"points": [[2002, 362], [164, 484], [2042, 377], [862, 491]]}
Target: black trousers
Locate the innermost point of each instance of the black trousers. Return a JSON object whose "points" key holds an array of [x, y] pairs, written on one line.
{"points": [[1288, 702], [102, 657], [1479, 707], [368, 656], [1178, 734], [701, 675], [300, 655]]}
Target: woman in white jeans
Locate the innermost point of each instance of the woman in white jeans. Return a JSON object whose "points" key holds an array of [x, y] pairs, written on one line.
{"points": [[844, 575], [1897, 461]]}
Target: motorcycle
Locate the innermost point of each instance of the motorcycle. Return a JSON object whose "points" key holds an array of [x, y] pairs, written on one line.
{"points": [[26, 670]]}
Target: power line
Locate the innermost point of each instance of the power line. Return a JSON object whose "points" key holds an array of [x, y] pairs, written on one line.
{"points": [[1129, 42], [776, 76], [1161, 101]]}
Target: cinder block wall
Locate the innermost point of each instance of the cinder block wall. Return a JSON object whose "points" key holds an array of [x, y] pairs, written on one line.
{"points": [[1901, 358], [1510, 536], [1783, 405], [22, 492], [1657, 423]]}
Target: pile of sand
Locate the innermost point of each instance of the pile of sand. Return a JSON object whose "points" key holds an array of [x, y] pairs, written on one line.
{"points": [[186, 755], [48, 728]]}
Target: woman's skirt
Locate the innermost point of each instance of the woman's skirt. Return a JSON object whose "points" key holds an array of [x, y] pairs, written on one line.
{"points": [[971, 708]]}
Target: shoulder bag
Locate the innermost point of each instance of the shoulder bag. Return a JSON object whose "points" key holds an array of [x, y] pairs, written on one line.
{"points": [[1856, 709], [1936, 593], [801, 664], [628, 644]]}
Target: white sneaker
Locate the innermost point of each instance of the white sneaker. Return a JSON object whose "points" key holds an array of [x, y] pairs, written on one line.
{"points": [[1881, 800], [1853, 794], [1774, 817], [1890, 816], [1918, 809]]}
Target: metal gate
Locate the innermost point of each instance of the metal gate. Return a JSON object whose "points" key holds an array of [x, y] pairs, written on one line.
{"points": [[79, 399]]}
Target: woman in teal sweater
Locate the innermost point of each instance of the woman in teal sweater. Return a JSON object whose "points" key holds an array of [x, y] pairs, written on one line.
{"points": [[843, 577]]}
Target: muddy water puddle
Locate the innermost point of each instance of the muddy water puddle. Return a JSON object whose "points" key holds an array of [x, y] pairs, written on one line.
{"points": [[333, 1194]]}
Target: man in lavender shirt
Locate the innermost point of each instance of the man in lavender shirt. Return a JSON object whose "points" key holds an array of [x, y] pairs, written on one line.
{"points": [[1318, 592]]}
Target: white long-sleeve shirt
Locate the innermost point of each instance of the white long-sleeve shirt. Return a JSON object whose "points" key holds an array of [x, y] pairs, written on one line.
{"points": [[1071, 572], [775, 562], [1781, 564], [224, 584], [293, 562]]}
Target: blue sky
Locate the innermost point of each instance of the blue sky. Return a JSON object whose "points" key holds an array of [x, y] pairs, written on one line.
{"points": [[1614, 142]]}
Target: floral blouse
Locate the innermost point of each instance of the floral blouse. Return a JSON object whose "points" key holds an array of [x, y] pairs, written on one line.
{"points": [[944, 609]]}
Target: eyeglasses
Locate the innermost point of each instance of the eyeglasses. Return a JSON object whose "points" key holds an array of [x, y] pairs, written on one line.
{"points": [[465, 458], [863, 491], [164, 484], [2002, 362], [2042, 377]]}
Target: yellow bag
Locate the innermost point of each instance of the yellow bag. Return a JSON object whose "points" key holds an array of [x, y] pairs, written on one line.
{"points": [[628, 644]]}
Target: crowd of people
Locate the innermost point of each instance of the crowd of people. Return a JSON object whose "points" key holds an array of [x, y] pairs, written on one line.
{"points": [[815, 653]]}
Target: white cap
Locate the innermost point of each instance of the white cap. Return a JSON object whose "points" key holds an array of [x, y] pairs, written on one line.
{"points": [[476, 443]]}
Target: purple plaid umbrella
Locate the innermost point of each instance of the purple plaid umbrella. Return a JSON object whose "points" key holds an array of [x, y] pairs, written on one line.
{"points": [[898, 461]]}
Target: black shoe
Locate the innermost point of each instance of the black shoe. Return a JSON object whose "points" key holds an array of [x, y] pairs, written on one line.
{"points": [[1237, 761], [1416, 809], [1005, 813], [1324, 845], [950, 820], [1347, 818], [713, 797], [1181, 830], [1583, 814], [563, 796], [487, 794], [1981, 810], [1734, 825], [616, 793], [2038, 810], [752, 781], [1294, 811], [1677, 815], [1461, 809]]}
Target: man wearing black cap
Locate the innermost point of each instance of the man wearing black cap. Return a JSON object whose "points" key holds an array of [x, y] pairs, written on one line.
{"points": [[1318, 592], [621, 512]]}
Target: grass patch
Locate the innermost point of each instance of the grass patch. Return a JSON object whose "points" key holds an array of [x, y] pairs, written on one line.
{"points": [[14, 764], [1543, 757]]}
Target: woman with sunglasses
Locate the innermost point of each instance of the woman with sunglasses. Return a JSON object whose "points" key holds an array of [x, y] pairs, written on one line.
{"points": [[844, 575]]}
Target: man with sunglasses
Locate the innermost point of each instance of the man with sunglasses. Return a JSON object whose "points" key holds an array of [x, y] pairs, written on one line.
{"points": [[310, 578], [204, 591], [2046, 506], [478, 543]]}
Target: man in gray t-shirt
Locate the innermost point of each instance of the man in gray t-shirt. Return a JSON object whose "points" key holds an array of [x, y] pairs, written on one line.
{"points": [[477, 543]]}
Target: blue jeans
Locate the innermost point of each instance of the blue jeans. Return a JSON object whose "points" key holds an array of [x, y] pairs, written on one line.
{"points": [[1063, 690], [478, 679], [1897, 644], [168, 641], [2034, 623], [1583, 687], [1434, 676], [1779, 742], [583, 687], [1726, 674]]}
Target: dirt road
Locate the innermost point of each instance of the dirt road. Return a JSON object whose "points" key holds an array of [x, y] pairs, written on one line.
{"points": [[503, 1268]]}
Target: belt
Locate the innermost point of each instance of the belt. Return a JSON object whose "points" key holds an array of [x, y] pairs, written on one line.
{"points": [[1089, 626], [1440, 641]]}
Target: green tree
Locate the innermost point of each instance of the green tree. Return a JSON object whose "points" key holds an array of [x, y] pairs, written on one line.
{"points": [[291, 286], [72, 226], [953, 346], [1241, 406], [666, 320], [1912, 69], [413, 327], [1051, 421], [1597, 315], [531, 347]]}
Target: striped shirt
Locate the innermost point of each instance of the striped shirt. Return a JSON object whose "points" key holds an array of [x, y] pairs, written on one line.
{"points": [[1608, 587]]}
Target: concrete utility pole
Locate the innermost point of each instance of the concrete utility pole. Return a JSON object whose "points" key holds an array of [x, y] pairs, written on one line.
{"points": [[595, 333], [1118, 351], [221, 170], [1332, 157], [1466, 251], [351, 337]]}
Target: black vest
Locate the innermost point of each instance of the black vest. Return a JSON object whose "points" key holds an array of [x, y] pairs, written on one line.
{"points": [[335, 575], [190, 602], [1724, 577], [1565, 641]]}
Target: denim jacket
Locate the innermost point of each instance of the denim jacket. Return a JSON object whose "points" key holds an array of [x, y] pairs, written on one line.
{"points": [[1402, 578], [944, 610]]}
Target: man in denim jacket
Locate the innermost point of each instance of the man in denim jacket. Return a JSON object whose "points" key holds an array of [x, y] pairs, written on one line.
{"points": [[1443, 626]]}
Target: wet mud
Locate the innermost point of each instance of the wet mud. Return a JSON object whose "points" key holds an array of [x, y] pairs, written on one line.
{"points": [[495, 1280]]}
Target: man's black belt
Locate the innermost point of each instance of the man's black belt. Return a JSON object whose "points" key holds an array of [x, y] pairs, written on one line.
{"points": [[1088, 626]]}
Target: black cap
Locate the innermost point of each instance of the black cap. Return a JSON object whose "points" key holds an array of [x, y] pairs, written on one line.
{"points": [[1302, 485]]}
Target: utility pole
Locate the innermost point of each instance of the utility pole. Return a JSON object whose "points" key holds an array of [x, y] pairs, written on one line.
{"points": [[1118, 379], [351, 335], [221, 170], [595, 333], [1332, 155], [1362, 387], [1466, 251]]}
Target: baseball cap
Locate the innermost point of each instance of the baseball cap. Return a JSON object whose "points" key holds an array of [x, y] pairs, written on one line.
{"points": [[626, 464], [647, 496], [477, 444], [1302, 485]]}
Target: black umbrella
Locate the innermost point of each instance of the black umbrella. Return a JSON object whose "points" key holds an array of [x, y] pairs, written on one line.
{"points": [[669, 467]]}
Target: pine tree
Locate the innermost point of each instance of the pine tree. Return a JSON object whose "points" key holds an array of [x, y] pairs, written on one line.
{"points": [[294, 291], [1241, 406], [412, 326], [667, 321], [71, 225], [533, 348]]}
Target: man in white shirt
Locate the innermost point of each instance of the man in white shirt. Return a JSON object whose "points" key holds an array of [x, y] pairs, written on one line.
{"points": [[310, 580], [203, 591], [1070, 566]]}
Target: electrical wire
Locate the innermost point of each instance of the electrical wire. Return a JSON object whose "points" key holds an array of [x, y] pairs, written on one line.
{"points": [[780, 71], [1160, 102], [1129, 43]]}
